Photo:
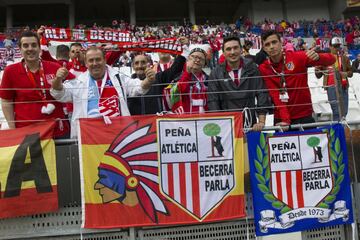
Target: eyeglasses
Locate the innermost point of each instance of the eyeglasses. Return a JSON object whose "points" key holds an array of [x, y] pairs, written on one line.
{"points": [[197, 58]]}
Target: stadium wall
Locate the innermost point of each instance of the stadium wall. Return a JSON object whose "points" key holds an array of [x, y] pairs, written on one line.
{"points": [[164, 11]]}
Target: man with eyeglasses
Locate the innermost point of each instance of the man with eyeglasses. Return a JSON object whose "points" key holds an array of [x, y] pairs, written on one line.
{"points": [[336, 79], [235, 84]]}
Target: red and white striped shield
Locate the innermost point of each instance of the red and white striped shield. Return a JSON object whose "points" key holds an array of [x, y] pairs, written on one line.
{"points": [[300, 174], [193, 175]]}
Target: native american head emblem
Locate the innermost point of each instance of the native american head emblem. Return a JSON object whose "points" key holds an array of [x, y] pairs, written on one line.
{"points": [[128, 172]]}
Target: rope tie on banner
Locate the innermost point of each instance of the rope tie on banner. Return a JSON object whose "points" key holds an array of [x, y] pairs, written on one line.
{"points": [[162, 113], [247, 227], [281, 129], [81, 233]]}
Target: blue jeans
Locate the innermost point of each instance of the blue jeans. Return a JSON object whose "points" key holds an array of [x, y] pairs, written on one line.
{"points": [[344, 94]]}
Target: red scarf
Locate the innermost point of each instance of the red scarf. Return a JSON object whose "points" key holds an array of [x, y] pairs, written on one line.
{"points": [[109, 98]]}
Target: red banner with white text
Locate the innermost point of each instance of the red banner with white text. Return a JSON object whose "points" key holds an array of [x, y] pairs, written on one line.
{"points": [[121, 39]]}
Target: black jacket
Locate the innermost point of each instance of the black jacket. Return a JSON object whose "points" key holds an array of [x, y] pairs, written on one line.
{"points": [[151, 102], [223, 94]]}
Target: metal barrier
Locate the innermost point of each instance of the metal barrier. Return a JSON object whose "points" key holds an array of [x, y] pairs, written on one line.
{"points": [[66, 223]]}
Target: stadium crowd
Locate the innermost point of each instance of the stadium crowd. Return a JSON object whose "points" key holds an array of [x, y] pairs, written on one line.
{"points": [[82, 82], [347, 28]]}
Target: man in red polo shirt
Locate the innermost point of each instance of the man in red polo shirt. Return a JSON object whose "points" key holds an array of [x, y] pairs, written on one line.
{"points": [[25, 88], [285, 76]]}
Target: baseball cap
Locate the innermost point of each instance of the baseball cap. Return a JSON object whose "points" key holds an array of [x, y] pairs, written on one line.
{"points": [[335, 41]]}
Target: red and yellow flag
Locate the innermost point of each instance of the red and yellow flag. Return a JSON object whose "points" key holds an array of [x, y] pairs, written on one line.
{"points": [[28, 183], [148, 170]]}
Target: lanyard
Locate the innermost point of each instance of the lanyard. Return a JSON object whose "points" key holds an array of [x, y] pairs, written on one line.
{"points": [[200, 82], [339, 62], [280, 74], [42, 79]]}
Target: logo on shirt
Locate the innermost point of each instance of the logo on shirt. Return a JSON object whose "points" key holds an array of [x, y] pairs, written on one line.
{"points": [[290, 66], [49, 77]]}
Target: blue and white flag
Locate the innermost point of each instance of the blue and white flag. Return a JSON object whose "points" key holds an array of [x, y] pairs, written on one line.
{"points": [[299, 180]]}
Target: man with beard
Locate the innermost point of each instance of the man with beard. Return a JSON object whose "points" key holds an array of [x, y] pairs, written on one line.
{"points": [[151, 103]]}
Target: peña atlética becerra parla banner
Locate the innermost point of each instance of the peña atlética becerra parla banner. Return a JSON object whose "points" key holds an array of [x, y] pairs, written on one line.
{"points": [[299, 180], [162, 170]]}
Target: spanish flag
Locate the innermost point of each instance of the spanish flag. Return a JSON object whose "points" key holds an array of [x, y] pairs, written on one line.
{"points": [[28, 183], [149, 170]]}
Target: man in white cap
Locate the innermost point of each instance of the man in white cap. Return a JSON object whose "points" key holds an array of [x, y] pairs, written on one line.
{"points": [[336, 79]]}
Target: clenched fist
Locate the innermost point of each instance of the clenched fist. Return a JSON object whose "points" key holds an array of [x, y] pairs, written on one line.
{"points": [[62, 73], [60, 76], [150, 74], [312, 55], [150, 78]]}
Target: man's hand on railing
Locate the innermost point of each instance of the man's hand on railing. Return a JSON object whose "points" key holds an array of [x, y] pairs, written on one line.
{"points": [[283, 125], [258, 126]]}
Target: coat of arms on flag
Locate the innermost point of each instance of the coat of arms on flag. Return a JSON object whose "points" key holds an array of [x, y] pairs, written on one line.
{"points": [[143, 171], [197, 162], [299, 180]]}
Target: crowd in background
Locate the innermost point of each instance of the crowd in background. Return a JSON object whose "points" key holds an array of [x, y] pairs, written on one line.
{"points": [[216, 57], [347, 28]]}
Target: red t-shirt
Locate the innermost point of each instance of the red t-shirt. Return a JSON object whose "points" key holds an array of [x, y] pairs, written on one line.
{"points": [[299, 104], [17, 87]]}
